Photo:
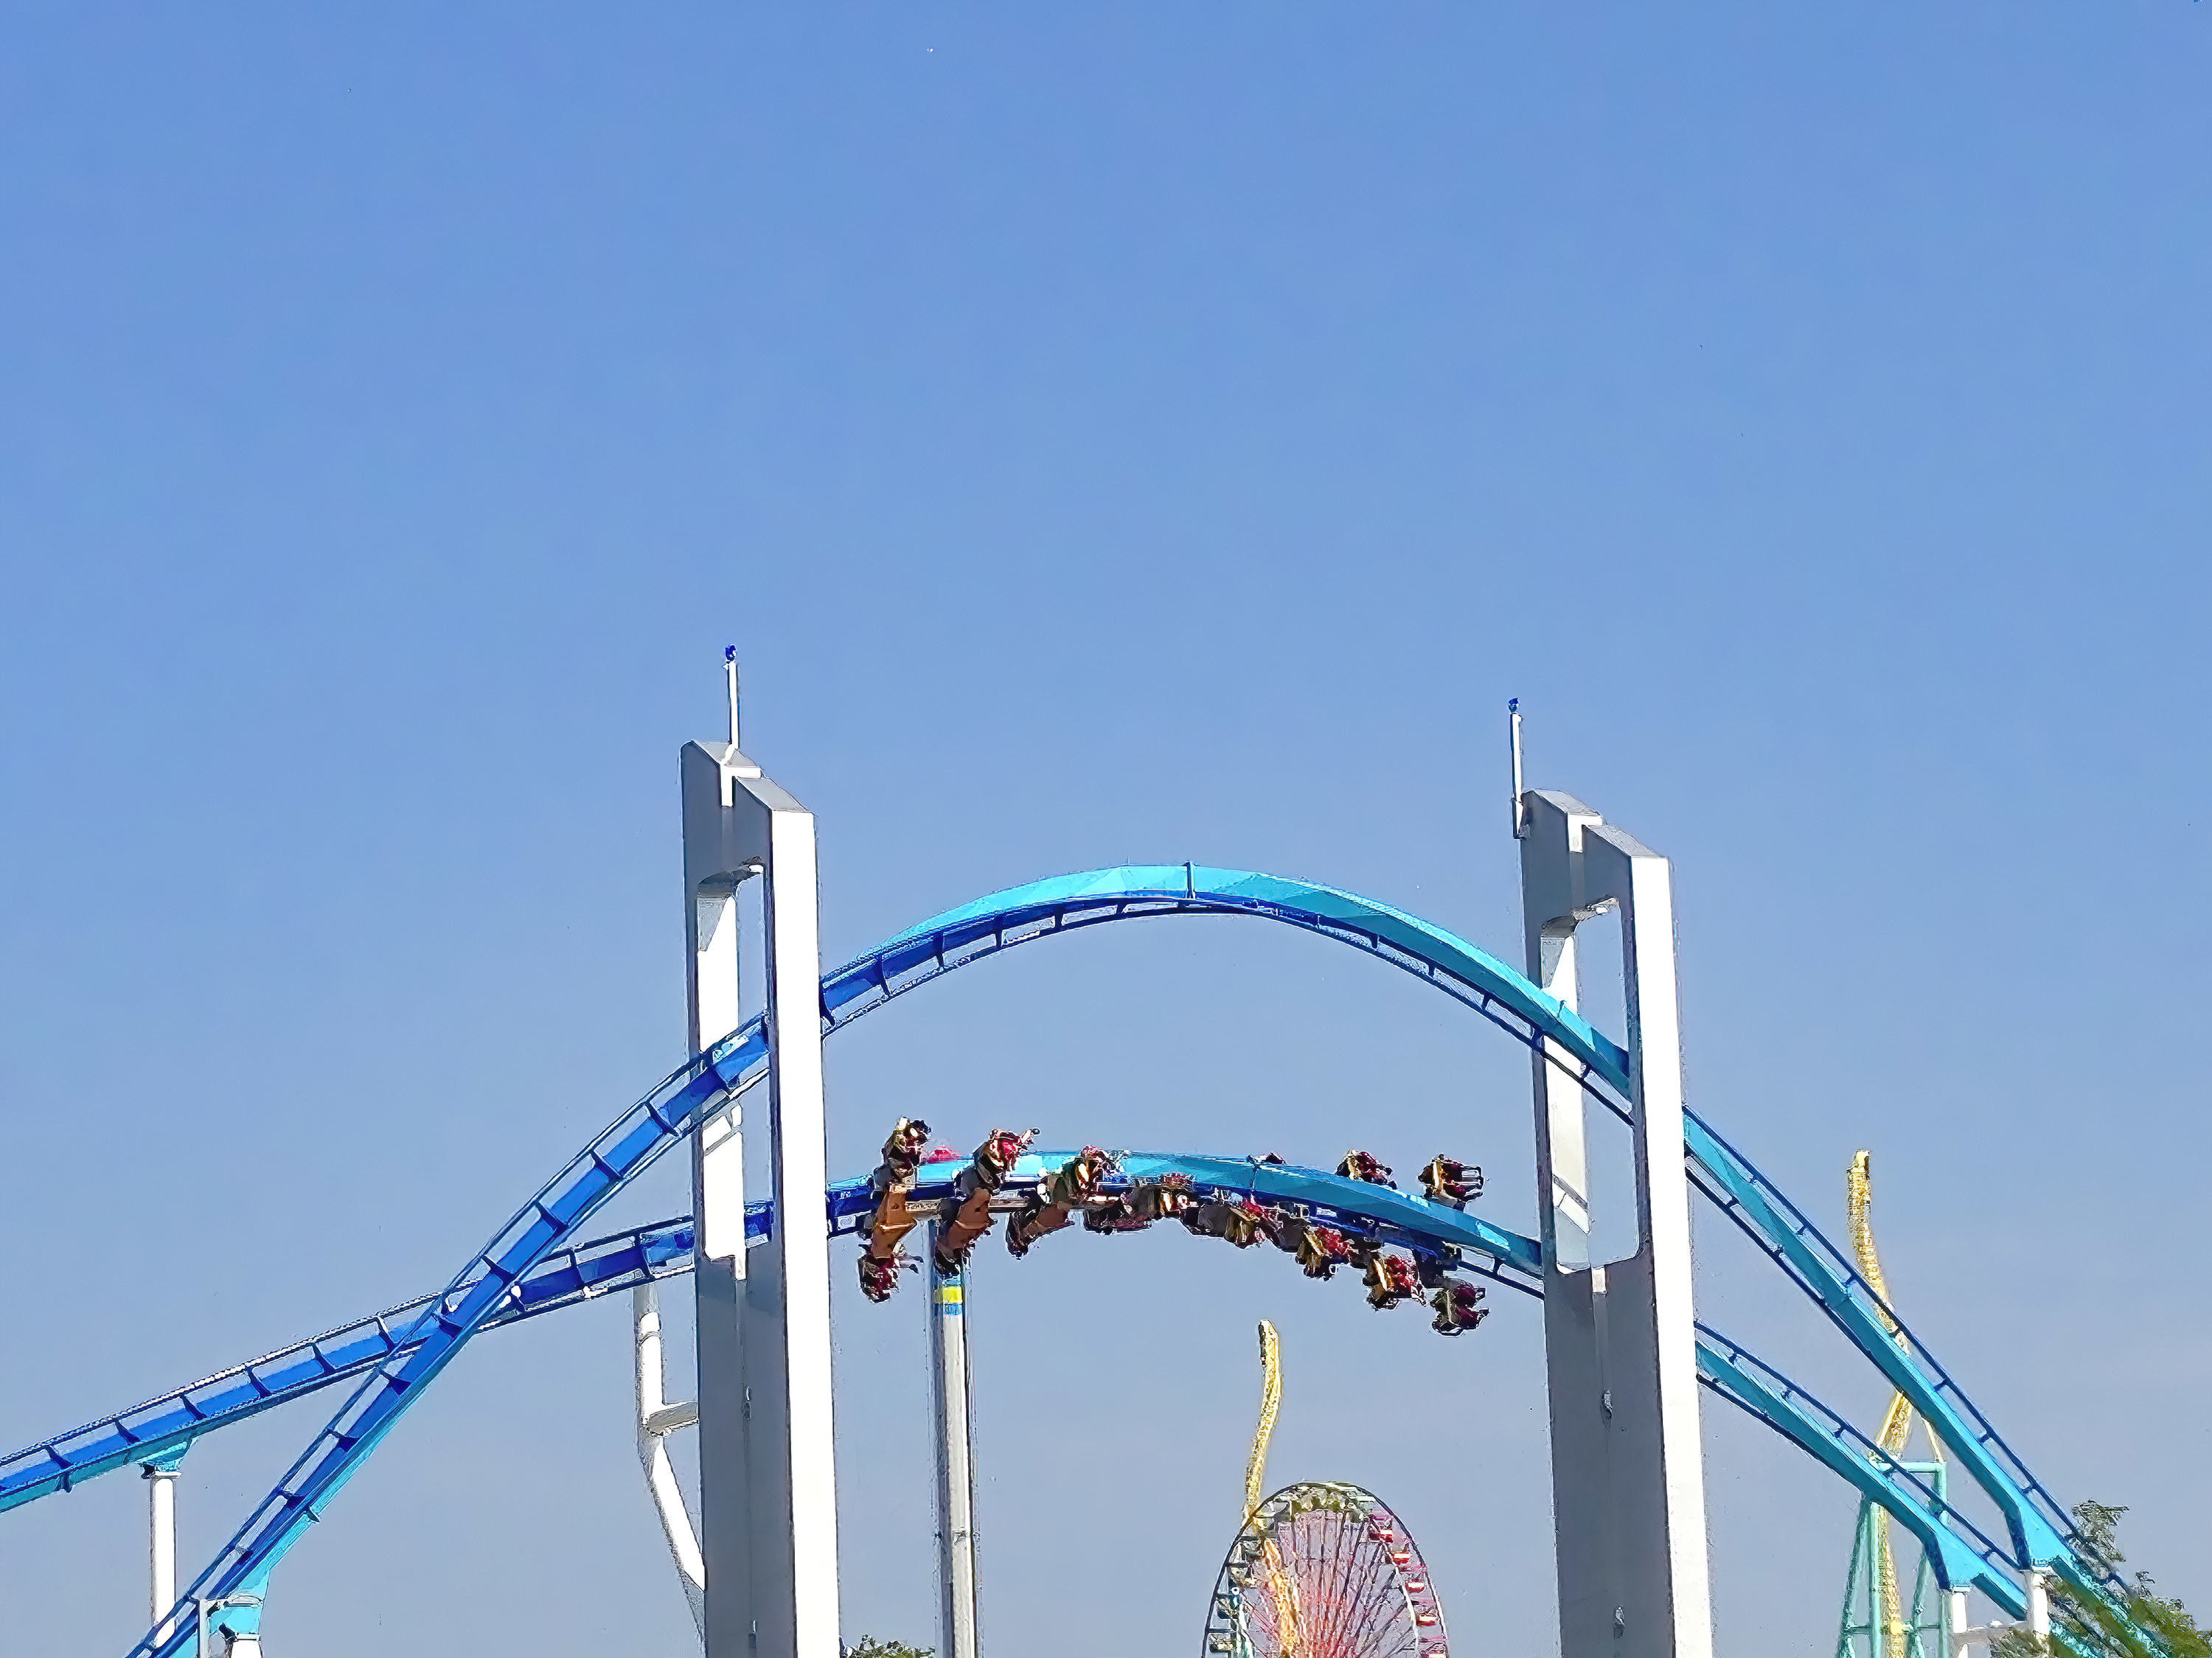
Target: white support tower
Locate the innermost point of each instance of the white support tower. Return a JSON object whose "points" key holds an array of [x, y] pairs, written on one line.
{"points": [[1620, 1337], [161, 1539], [767, 1462], [958, 1631]]}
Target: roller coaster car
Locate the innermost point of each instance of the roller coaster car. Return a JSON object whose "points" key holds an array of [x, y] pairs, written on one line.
{"points": [[957, 1237], [986, 1173], [1322, 1250], [1073, 1186], [996, 1157], [1040, 1217], [1364, 1166], [1243, 1223], [1076, 1183], [1389, 1280], [1432, 1266], [880, 1275], [902, 1153], [1251, 1223], [890, 1220], [1115, 1217], [887, 1225], [1459, 1309], [1168, 1198], [1446, 1179]]}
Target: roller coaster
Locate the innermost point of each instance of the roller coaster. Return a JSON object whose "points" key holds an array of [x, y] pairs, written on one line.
{"points": [[1423, 1248]]}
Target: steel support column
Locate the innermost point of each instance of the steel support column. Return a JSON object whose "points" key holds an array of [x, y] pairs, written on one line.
{"points": [[958, 1630], [766, 1464], [1620, 1337], [162, 1541]]}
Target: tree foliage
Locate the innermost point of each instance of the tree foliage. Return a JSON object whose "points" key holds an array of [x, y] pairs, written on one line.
{"points": [[869, 1647], [2132, 1623]]}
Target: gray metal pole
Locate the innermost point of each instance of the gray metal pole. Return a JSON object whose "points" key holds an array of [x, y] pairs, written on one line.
{"points": [[957, 1634]]}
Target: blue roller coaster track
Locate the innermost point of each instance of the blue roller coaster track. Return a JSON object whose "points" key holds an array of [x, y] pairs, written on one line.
{"points": [[537, 1263]]}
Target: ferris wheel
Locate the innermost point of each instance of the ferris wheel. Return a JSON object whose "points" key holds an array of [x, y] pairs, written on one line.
{"points": [[1324, 1570], [1320, 1569]]}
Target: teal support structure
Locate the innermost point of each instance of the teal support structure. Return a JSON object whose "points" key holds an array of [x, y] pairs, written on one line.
{"points": [[1862, 1632]]}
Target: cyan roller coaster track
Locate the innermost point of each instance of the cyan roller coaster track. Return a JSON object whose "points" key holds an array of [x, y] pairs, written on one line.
{"points": [[537, 1264]]}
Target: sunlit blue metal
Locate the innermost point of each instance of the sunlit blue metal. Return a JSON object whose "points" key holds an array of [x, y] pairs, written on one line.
{"points": [[959, 936], [1421, 947], [1737, 1377], [1400, 1215], [1821, 1270], [167, 1425], [1849, 1301], [614, 1263], [624, 1150], [1066, 903]]}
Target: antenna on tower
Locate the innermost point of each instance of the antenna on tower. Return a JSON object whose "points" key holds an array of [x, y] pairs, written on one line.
{"points": [[1513, 728], [730, 674]]}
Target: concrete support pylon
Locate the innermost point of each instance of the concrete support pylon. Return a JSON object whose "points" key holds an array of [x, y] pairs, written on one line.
{"points": [[767, 1532], [1620, 1336]]}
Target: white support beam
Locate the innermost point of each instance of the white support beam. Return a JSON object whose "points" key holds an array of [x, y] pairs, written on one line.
{"points": [[1961, 1637], [656, 1420], [1620, 1339], [161, 1542], [672, 1418], [767, 1459], [958, 1632]]}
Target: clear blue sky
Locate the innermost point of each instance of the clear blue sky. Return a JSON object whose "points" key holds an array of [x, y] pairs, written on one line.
{"points": [[1108, 432]]}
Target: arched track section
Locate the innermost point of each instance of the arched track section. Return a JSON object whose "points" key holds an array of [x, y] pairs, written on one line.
{"points": [[1068, 902], [555, 1216]]}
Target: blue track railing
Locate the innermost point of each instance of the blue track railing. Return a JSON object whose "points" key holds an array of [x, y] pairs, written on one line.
{"points": [[167, 1425], [608, 1264], [990, 926]]}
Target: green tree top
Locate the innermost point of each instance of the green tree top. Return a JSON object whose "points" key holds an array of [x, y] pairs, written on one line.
{"points": [[869, 1647], [2134, 1622]]}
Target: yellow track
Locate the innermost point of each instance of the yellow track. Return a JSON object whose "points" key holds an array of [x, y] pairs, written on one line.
{"points": [[1255, 1474], [1271, 1405], [1896, 1423]]}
